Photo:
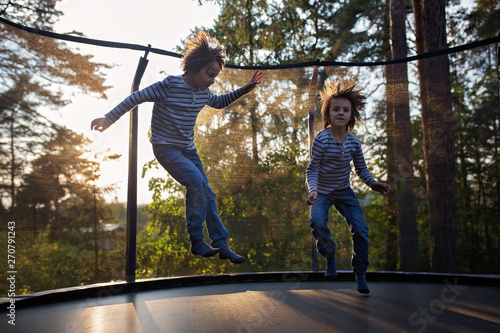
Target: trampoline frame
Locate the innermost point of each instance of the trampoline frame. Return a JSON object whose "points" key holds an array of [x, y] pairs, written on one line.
{"points": [[121, 287]]}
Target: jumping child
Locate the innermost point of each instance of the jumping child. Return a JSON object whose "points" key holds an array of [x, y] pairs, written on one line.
{"points": [[328, 176], [177, 101]]}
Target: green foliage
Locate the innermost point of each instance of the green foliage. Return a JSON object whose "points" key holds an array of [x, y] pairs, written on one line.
{"points": [[44, 263], [265, 215], [291, 31], [375, 211], [477, 159], [60, 217]]}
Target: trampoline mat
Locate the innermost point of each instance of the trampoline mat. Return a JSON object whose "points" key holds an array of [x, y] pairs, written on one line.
{"points": [[301, 306]]}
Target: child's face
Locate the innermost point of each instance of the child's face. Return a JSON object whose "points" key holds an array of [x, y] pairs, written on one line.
{"points": [[206, 76], [340, 112]]}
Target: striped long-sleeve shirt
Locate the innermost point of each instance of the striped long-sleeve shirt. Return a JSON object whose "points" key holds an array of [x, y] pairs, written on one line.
{"points": [[176, 106], [330, 165]]}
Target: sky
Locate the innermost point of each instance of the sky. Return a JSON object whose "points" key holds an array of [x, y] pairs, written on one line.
{"points": [[163, 24]]}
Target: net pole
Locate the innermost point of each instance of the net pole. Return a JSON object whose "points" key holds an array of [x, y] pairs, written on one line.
{"points": [[130, 255], [498, 66], [313, 89]]}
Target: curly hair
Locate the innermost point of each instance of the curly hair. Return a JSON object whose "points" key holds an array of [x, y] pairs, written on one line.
{"points": [[202, 50], [342, 89]]}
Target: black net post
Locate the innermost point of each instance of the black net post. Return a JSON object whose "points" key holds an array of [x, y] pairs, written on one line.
{"points": [[498, 66], [313, 89], [130, 260]]}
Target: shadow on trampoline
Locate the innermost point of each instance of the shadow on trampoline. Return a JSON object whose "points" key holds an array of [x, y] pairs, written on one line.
{"points": [[268, 302]]}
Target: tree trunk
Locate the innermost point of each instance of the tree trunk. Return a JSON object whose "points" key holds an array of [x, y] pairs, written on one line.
{"points": [[391, 253], [392, 234], [437, 126], [398, 86]]}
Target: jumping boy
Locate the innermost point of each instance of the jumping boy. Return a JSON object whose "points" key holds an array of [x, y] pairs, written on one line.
{"points": [[328, 176], [177, 102]]}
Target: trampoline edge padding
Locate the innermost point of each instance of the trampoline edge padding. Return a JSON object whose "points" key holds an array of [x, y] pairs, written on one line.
{"points": [[115, 288]]}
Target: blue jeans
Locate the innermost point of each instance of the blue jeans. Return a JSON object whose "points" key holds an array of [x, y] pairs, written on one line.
{"points": [[347, 205], [186, 168]]}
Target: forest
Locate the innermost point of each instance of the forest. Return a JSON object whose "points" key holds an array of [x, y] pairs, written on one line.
{"points": [[431, 130]]}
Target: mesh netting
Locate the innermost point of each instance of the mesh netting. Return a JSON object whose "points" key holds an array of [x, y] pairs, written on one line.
{"points": [[70, 188]]}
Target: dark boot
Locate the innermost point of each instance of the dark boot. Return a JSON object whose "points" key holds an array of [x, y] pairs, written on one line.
{"points": [[361, 283], [331, 270], [201, 248], [226, 253]]}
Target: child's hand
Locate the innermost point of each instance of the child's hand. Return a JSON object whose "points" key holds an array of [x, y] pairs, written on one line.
{"points": [[100, 124], [255, 80], [311, 197], [381, 188]]}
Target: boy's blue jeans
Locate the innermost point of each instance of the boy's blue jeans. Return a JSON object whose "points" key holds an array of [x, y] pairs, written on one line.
{"points": [[347, 205], [186, 168]]}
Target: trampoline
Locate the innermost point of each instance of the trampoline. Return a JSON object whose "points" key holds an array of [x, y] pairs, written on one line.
{"points": [[268, 302], [287, 301]]}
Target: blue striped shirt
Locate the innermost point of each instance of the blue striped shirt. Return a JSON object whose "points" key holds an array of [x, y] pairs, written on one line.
{"points": [[330, 165], [176, 107]]}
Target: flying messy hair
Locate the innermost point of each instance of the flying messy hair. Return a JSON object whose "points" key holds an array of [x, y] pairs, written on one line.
{"points": [[202, 50], [342, 89]]}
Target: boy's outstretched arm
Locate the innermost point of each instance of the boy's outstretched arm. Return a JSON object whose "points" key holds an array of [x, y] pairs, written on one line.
{"points": [[254, 81], [100, 124]]}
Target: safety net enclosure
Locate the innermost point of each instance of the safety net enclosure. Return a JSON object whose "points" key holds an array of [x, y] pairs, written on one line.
{"points": [[70, 230]]}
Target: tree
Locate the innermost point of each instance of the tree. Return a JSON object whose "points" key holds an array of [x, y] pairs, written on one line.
{"points": [[242, 29], [399, 102], [392, 250], [31, 70], [24, 131], [475, 96], [59, 178], [437, 125], [51, 61]]}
